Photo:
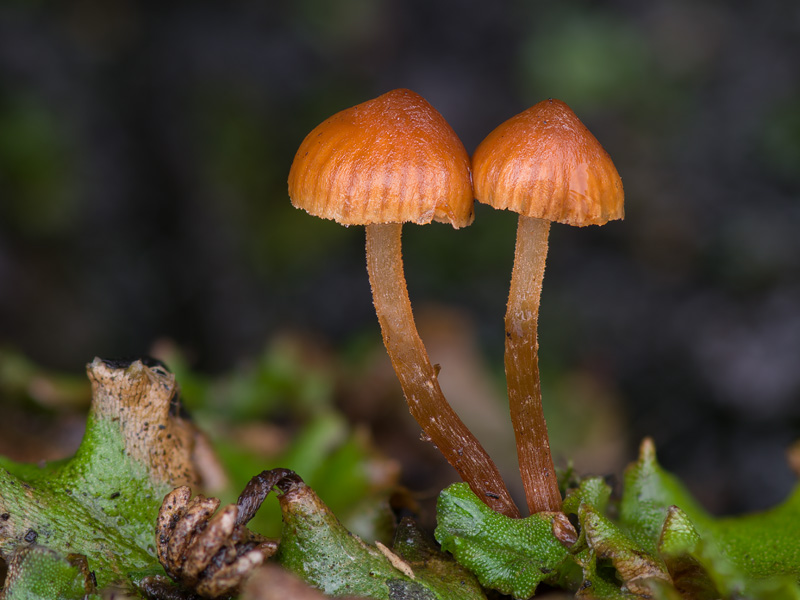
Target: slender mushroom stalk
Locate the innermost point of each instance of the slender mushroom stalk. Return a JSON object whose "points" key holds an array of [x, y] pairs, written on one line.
{"points": [[387, 161], [417, 376], [522, 366], [545, 165]]}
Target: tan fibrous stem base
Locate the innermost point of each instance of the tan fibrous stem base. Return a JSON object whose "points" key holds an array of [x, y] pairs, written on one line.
{"points": [[522, 367], [417, 376]]}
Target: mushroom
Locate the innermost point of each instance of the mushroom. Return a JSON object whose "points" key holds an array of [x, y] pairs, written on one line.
{"points": [[545, 165], [391, 160]]}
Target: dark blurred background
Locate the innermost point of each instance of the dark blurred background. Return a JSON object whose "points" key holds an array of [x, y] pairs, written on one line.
{"points": [[144, 150]]}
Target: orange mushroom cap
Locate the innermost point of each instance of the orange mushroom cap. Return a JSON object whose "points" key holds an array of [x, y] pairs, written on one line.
{"points": [[393, 159], [545, 163]]}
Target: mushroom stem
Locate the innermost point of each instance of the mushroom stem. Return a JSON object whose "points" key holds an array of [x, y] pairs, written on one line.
{"points": [[522, 367], [418, 377]]}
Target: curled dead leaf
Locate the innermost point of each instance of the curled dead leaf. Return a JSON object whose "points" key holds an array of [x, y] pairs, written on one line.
{"points": [[208, 551]]}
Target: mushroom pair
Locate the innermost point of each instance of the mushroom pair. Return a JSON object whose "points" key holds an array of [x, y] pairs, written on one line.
{"points": [[395, 159]]}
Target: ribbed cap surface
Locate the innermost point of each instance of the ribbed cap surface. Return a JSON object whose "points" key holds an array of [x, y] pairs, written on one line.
{"points": [[545, 163], [393, 159]]}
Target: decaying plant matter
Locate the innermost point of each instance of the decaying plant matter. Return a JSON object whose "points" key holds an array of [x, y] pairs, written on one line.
{"points": [[207, 552]]}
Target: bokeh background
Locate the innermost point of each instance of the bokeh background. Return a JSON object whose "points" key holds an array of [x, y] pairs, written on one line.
{"points": [[144, 150]]}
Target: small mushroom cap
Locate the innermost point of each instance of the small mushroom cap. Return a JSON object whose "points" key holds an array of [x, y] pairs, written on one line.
{"points": [[393, 159], [545, 163]]}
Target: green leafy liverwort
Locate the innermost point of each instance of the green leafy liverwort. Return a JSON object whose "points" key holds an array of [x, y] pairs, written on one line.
{"points": [[315, 546], [103, 502], [509, 555], [663, 544]]}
